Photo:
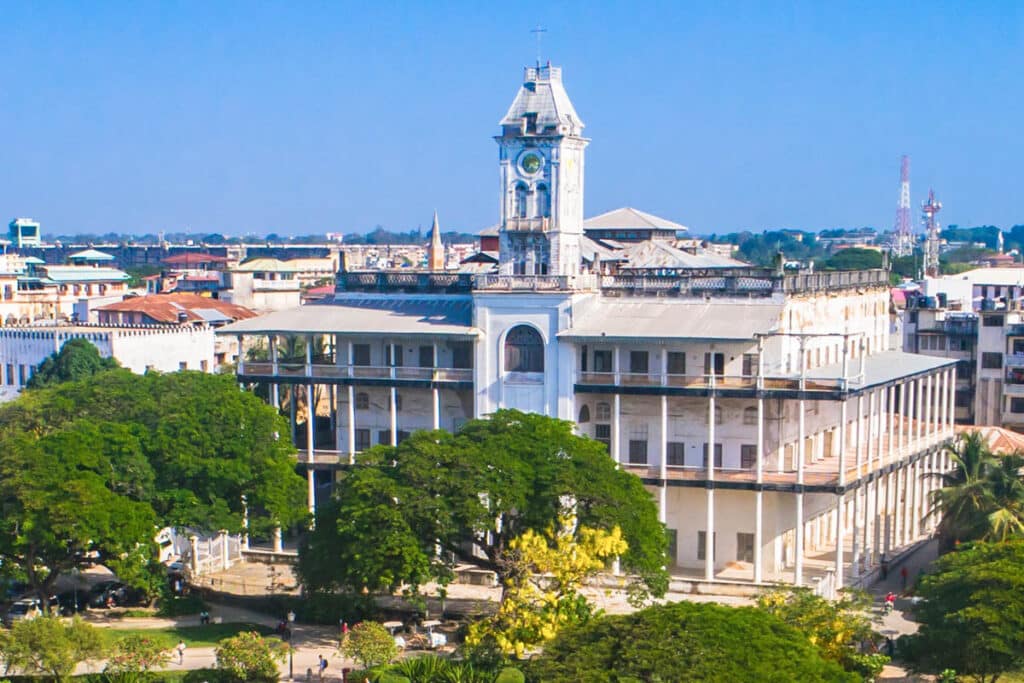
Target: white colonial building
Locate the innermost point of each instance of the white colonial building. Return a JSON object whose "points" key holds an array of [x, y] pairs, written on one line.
{"points": [[818, 432]]}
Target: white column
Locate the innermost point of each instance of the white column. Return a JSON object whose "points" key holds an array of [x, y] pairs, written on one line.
{"points": [[275, 390], [929, 401], [245, 523], [890, 405], [801, 454], [351, 424], [869, 486], [854, 532], [709, 534], [616, 428], [663, 465], [759, 496], [840, 537], [902, 427], [311, 490], [898, 476], [393, 414], [919, 412], [915, 509], [436, 397], [278, 540], [907, 522], [842, 442], [952, 400]]}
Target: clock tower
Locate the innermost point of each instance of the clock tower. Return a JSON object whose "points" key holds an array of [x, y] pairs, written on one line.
{"points": [[541, 166]]}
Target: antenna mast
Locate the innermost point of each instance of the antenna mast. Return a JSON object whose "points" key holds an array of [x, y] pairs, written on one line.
{"points": [[904, 237]]}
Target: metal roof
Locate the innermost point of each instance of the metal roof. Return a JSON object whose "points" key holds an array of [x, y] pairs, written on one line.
{"points": [[368, 315], [882, 368], [273, 265], [653, 254], [90, 255], [84, 274], [631, 320], [628, 217], [543, 94]]}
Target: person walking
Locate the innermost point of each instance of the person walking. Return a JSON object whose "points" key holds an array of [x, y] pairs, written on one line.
{"points": [[904, 574], [181, 652], [321, 666]]}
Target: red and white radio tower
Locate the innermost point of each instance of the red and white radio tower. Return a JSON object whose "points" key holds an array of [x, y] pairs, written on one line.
{"points": [[931, 240], [903, 242]]}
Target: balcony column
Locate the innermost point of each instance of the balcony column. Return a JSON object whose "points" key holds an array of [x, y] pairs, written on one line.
{"points": [[892, 538], [952, 400], [311, 490], [663, 465], [907, 523], [709, 533], [435, 392], [855, 530], [919, 412], [870, 487], [278, 540], [759, 494], [890, 402], [310, 407], [332, 398], [929, 402], [240, 356], [393, 413], [351, 424], [880, 483], [617, 428], [275, 390], [915, 501], [840, 522], [801, 455]]}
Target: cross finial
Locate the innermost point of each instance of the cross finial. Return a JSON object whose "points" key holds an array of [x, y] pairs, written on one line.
{"points": [[539, 32]]}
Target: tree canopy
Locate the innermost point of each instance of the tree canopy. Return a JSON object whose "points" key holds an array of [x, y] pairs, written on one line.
{"points": [[684, 641], [972, 613], [76, 360], [90, 469], [484, 486]]}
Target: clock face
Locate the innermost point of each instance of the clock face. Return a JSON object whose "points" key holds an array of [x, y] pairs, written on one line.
{"points": [[531, 163]]}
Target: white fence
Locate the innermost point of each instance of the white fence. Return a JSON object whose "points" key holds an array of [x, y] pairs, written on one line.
{"points": [[213, 553]]}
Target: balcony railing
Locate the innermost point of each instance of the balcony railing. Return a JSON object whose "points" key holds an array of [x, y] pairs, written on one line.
{"points": [[325, 371], [630, 379], [534, 283], [527, 224]]}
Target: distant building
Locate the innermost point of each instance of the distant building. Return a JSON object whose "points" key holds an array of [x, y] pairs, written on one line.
{"points": [[24, 232], [267, 284]]}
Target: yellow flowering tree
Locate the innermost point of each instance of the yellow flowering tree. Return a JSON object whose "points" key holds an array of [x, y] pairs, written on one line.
{"points": [[541, 594]]}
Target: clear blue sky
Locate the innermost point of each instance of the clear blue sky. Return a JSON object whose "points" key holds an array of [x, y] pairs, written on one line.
{"points": [[314, 117]]}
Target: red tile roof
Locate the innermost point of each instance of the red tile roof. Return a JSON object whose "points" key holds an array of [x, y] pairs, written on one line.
{"points": [[164, 308], [190, 259]]}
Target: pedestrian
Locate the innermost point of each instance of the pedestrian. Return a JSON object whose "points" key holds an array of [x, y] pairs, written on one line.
{"points": [[321, 666], [181, 652], [903, 576]]}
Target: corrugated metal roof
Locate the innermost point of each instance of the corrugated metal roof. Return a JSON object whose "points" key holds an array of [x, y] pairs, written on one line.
{"points": [[882, 368], [166, 307], [273, 265], [722, 320], [653, 254], [385, 315], [628, 217], [84, 274], [90, 255]]}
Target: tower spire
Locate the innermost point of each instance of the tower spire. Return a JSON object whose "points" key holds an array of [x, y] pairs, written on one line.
{"points": [[435, 260]]}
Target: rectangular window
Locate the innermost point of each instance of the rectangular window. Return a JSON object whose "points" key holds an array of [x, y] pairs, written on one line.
{"points": [[714, 364], [602, 361], [748, 456], [637, 452], [603, 433], [402, 436], [991, 360], [676, 454], [1017, 405], [1018, 347], [749, 364], [673, 546], [676, 363], [992, 320], [583, 358], [744, 547], [399, 355], [362, 439], [384, 437], [22, 378], [360, 354], [204, 366], [462, 355], [426, 356], [183, 365], [638, 361], [718, 456], [701, 539], [963, 398], [10, 373], [913, 317]]}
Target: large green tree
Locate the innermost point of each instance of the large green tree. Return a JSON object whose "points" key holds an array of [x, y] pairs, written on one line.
{"points": [[89, 470], [77, 359], [685, 641], [972, 613], [492, 481]]}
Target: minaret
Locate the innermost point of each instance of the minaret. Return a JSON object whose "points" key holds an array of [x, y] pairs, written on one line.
{"points": [[435, 254]]}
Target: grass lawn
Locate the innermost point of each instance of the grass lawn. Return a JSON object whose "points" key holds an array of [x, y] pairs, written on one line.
{"points": [[208, 635]]}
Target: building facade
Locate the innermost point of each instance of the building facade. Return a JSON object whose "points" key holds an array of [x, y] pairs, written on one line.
{"points": [[763, 409]]}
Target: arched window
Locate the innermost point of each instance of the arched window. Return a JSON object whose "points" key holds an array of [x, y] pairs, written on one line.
{"points": [[543, 201], [584, 415], [519, 210], [362, 401], [524, 350], [749, 415]]}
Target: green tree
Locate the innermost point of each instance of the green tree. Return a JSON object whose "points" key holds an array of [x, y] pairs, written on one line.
{"points": [[77, 359], [50, 647], [486, 485], [250, 657], [982, 497], [972, 613], [854, 258], [370, 644], [684, 642], [838, 628], [136, 655]]}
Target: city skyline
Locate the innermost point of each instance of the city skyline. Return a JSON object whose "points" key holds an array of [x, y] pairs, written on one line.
{"points": [[159, 117]]}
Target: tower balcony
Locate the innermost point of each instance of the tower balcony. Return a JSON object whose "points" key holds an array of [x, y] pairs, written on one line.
{"points": [[538, 225], [284, 372]]}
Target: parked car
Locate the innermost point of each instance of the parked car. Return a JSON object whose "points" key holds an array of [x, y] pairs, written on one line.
{"points": [[72, 602], [111, 594], [26, 608]]}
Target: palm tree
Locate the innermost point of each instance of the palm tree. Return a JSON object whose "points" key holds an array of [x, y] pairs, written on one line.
{"points": [[982, 498]]}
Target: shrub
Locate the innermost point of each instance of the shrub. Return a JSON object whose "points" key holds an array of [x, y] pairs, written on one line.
{"points": [[173, 606], [510, 675], [250, 657], [370, 644]]}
